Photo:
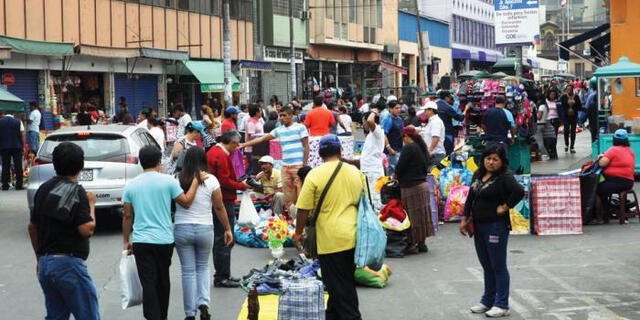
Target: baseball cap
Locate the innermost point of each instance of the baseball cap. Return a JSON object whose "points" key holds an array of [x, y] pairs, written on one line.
{"points": [[266, 159], [197, 125], [430, 105], [330, 140], [232, 110], [621, 134]]}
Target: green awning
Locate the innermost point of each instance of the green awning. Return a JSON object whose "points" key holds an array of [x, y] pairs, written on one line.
{"points": [[10, 103], [623, 68], [211, 75], [42, 48]]}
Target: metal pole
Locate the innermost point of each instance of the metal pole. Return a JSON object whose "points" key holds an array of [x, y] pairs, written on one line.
{"points": [[293, 52], [423, 58], [226, 54]]}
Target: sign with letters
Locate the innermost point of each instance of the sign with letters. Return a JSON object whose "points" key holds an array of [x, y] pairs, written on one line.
{"points": [[516, 22]]}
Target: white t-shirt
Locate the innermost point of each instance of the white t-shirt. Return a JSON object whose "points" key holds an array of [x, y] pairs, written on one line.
{"points": [[242, 121], [364, 108], [158, 134], [35, 117], [200, 211], [143, 124], [371, 157], [182, 124], [346, 120], [434, 128]]}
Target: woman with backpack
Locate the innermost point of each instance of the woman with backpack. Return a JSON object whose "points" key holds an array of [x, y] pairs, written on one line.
{"points": [[193, 233], [193, 131]]}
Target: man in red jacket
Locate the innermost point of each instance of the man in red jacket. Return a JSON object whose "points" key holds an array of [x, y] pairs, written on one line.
{"points": [[220, 166]]}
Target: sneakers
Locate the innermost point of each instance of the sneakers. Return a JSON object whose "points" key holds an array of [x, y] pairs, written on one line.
{"points": [[573, 150], [496, 312], [204, 312], [479, 308]]}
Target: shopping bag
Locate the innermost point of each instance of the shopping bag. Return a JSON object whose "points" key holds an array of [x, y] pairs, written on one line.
{"points": [[302, 299], [454, 207], [248, 216], [588, 187], [371, 239], [131, 289]]}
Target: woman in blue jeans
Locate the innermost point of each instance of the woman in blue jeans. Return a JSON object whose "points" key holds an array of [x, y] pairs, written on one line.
{"points": [[193, 234], [493, 192]]}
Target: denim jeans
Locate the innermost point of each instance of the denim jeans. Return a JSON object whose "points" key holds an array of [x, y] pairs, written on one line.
{"points": [[393, 161], [33, 139], [194, 243], [68, 288], [222, 253], [491, 246]]}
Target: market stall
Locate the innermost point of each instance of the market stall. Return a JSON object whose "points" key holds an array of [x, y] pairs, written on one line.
{"points": [[11, 103], [611, 80]]}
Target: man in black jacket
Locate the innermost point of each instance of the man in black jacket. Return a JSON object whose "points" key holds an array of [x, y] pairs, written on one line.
{"points": [[62, 221], [448, 114], [12, 140]]}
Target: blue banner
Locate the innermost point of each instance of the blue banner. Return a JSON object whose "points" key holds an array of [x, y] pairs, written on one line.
{"points": [[501, 5]]}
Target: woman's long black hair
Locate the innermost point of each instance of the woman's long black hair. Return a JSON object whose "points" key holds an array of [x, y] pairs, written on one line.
{"points": [[498, 150], [195, 161]]}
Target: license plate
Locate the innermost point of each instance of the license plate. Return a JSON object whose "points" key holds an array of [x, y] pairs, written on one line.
{"points": [[86, 175]]}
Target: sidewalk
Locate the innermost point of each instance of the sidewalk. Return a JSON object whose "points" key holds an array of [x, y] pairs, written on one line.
{"points": [[566, 161]]}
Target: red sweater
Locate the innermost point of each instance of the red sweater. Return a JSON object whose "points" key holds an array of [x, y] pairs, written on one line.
{"points": [[221, 167]]}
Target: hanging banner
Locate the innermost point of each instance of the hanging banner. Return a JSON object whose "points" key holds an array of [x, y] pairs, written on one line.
{"points": [[516, 22]]}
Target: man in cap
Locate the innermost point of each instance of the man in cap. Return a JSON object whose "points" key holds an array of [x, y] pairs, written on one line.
{"points": [[271, 182], [230, 117], [434, 133], [448, 114], [335, 225]]}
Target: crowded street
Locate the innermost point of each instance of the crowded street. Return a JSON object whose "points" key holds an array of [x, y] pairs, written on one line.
{"points": [[319, 160]]}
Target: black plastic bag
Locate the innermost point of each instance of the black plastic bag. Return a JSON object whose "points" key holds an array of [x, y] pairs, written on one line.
{"points": [[396, 243], [588, 190]]}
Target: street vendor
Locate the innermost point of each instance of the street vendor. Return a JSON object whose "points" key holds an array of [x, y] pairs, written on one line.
{"points": [[271, 182], [619, 164]]}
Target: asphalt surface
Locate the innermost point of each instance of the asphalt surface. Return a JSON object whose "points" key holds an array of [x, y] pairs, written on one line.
{"points": [[590, 276]]}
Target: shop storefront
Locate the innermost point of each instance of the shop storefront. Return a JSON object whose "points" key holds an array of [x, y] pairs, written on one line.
{"points": [[22, 83], [140, 91], [278, 82]]}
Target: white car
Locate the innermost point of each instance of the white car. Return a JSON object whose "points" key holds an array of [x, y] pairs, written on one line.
{"points": [[111, 159]]}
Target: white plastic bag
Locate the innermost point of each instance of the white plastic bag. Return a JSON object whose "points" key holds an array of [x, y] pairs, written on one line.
{"points": [[248, 216], [131, 291]]}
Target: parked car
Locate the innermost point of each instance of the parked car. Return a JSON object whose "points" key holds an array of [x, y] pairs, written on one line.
{"points": [[111, 160]]}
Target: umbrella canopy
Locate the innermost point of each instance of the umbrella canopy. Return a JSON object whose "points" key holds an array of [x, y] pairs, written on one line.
{"points": [[482, 75], [565, 76], [623, 68], [469, 74], [498, 75], [10, 103]]}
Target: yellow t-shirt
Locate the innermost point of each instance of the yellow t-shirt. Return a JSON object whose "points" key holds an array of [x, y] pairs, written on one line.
{"points": [[271, 184], [336, 225]]}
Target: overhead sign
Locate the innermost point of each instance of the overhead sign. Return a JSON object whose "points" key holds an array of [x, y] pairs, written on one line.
{"points": [[8, 79], [516, 22]]}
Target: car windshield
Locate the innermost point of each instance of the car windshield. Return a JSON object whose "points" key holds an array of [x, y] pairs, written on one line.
{"points": [[96, 147]]}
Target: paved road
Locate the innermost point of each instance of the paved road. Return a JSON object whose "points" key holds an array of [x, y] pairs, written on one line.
{"points": [[592, 276]]}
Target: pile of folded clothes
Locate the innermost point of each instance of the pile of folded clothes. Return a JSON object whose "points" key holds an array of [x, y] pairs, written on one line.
{"points": [[270, 278]]}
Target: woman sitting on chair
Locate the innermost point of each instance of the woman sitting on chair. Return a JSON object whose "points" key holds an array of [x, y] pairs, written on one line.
{"points": [[618, 163]]}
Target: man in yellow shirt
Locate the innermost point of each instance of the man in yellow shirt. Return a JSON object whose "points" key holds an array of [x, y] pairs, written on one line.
{"points": [[271, 182], [335, 226]]}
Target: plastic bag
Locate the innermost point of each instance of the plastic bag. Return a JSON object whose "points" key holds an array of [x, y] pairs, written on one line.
{"points": [[371, 239], [131, 289], [370, 278], [248, 216], [588, 186], [454, 208]]}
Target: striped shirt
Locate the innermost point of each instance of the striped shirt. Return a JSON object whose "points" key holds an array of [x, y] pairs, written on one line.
{"points": [[291, 141]]}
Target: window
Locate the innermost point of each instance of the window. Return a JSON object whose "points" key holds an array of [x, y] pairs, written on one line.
{"points": [[183, 4], [379, 13], [352, 11], [216, 7], [329, 7]]}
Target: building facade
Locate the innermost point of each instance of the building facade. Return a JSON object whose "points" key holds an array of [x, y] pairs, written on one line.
{"points": [[624, 25], [353, 45], [118, 49]]}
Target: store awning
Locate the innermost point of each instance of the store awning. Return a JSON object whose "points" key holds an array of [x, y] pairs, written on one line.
{"points": [[460, 54], [9, 102], [623, 68], [210, 74], [256, 65], [34, 47], [600, 46], [564, 53], [144, 52], [392, 67]]}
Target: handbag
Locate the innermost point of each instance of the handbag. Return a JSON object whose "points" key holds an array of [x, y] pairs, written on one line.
{"points": [[310, 241]]}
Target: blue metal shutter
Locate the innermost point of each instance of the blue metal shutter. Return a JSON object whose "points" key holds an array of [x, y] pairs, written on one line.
{"points": [[140, 93], [26, 86]]}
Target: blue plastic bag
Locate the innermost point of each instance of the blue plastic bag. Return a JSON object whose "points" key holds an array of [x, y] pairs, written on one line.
{"points": [[371, 239]]}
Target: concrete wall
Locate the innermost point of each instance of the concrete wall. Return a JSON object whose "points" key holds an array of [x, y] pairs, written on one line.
{"points": [[624, 42], [114, 23]]}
